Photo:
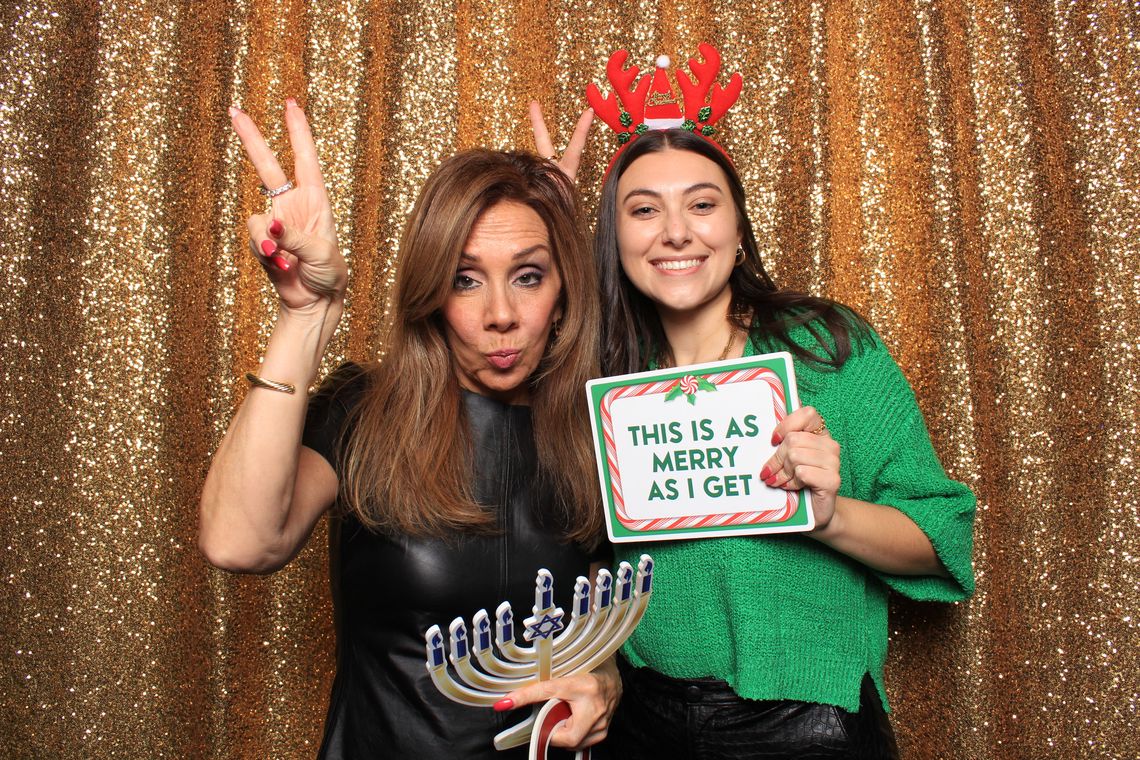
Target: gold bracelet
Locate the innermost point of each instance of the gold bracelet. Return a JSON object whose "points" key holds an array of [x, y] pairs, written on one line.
{"points": [[272, 385]]}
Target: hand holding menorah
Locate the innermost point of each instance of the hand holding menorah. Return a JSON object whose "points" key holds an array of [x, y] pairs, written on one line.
{"points": [[593, 635]]}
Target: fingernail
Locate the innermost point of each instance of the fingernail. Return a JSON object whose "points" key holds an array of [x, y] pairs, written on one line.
{"points": [[776, 438], [291, 102], [281, 263], [276, 228], [233, 111], [766, 473], [268, 247], [506, 703]]}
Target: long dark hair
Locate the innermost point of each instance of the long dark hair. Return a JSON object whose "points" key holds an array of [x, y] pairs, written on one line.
{"points": [[408, 462], [632, 332]]}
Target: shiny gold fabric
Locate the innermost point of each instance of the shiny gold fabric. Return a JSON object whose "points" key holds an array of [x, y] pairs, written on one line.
{"points": [[966, 174]]}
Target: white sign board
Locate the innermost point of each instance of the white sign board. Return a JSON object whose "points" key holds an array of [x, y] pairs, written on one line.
{"points": [[679, 450]]}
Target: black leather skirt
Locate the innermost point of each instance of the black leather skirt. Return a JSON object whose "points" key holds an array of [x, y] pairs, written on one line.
{"points": [[702, 719]]}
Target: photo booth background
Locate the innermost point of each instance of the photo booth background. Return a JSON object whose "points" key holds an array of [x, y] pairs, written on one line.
{"points": [[965, 174]]}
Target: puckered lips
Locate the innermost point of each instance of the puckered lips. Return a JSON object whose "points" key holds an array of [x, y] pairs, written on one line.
{"points": [[678, 265], [504, 358]]}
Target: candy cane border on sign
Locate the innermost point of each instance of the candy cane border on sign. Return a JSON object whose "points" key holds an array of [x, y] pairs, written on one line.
{"points": [[699, 521]]}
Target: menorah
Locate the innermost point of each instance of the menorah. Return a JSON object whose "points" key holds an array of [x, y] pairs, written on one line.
{"points": [[592, 636]]}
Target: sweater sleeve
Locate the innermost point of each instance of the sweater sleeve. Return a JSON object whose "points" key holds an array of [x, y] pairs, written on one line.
{"points": [[892, 462]]}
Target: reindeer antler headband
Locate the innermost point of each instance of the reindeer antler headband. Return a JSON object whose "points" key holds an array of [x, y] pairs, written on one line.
{"points": [[639, 105]]}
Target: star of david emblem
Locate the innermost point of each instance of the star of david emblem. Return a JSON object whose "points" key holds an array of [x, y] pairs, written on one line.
{"points": [[546, 627]]}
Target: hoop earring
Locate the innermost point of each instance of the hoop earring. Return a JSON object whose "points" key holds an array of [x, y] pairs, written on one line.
{"points": [[740, 254]]}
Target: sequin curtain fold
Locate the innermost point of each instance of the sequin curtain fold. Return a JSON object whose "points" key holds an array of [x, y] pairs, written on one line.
{"points": [[967, 175]]}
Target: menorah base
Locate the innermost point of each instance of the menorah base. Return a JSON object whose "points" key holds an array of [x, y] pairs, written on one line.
{"points": [[538, 728]]}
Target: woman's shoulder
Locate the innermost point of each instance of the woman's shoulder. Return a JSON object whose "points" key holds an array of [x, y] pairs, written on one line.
{"points": [[331, 407], [843, 333], [344, 386]]}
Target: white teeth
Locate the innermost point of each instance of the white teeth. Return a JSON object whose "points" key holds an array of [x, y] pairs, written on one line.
{"points": [[685, 264]]}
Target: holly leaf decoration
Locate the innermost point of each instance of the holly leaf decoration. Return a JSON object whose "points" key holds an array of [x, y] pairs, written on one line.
{"points": [[625, 119], [689, 124], [705, 385], [692, 399], [641, 129], [704, 113], [675, 393], [706, 130], [624, 137]]}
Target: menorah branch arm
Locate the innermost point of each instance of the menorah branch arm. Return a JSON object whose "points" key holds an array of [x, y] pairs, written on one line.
{"points": [[604, 648], [596, 623], [496, 667], [480, 680], [459, 693]]}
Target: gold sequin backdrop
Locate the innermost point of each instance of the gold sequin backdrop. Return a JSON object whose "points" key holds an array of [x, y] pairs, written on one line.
{"points": [[966, 174]]}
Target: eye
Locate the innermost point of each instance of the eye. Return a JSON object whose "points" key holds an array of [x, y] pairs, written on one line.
{"points": [[464, 282], [531, 278], [704, 206], [642, 211]]}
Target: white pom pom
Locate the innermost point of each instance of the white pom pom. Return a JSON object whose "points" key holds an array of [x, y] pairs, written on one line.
{"points": [[663, 61]]}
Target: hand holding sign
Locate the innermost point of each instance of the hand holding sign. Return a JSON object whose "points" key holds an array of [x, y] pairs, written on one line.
{"points": [[680, 450], [806, 457]]}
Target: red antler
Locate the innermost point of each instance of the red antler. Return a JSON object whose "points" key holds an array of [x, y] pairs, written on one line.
{"points": [[695, 91], [633, 101]]}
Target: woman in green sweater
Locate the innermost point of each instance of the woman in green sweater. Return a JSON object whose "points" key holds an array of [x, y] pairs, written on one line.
{"points": [[768, 646]]}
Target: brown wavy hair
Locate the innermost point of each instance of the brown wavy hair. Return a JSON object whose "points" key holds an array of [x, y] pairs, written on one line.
{"points": [[408, 462], [632, 332]]}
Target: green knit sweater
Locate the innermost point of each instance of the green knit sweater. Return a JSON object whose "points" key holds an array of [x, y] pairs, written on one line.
{"points": [[783, 616]]}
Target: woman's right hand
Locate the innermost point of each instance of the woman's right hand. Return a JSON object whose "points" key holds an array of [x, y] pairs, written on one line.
{"points": [[568, 162], [295, 241]]}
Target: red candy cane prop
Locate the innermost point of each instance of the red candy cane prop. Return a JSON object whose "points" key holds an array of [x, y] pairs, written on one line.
{"points": [[699, 521]]}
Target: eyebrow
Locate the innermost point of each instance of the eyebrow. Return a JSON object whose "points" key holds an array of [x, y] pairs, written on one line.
{"points": [[689, 189], [465, 256]]}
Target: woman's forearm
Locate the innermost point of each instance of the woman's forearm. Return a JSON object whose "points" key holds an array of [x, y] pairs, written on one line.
{"points": [[253, 514], [880, 537]]}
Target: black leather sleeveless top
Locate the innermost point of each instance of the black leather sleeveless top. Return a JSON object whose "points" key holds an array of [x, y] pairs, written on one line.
{"points": [[389, 589]]}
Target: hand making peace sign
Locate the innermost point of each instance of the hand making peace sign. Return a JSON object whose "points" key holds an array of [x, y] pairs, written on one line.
{"points": [[568, 162], [296, 240]]}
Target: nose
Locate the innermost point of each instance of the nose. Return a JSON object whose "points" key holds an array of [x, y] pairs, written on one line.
{"points": [[499, 312], [676, 230]]}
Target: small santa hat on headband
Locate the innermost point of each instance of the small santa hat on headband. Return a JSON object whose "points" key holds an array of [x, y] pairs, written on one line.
{"points": [[661, 108]]}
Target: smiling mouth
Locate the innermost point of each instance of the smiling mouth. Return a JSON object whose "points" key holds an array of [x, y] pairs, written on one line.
{"points": [[676, 265], [505, 358]]}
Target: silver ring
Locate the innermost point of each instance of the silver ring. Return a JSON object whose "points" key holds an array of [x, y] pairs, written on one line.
{"points": [[277, 190]]}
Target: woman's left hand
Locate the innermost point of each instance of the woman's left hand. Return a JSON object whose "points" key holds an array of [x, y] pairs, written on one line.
{"points": [[806, 457], [592, 696]]}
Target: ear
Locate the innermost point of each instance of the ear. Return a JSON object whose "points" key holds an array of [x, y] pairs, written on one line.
{"points": [[559, 308]]}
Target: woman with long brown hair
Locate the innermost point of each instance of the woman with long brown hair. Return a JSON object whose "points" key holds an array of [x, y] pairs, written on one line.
{"points": [[453, 469]]}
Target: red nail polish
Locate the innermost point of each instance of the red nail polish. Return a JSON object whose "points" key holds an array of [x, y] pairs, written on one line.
{"points": [[281, 262], [276, 228], [506, 703], [766, 473], [776, 438], [268, 247]]}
